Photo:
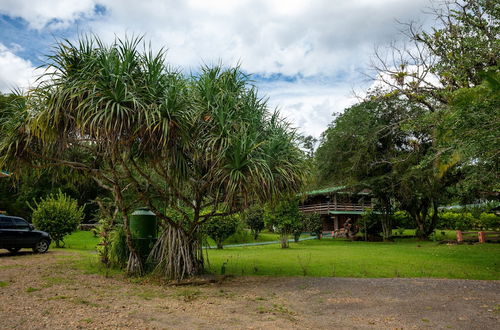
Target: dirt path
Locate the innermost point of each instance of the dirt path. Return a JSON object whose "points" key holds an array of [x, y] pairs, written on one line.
{"points": [[52, 291]]}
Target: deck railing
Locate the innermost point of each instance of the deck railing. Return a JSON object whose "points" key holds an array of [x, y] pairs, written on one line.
{"points": [[325, 208]]}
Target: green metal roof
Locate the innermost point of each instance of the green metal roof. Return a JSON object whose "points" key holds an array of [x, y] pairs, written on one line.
{"points": [[337, 189], [325, 190]]}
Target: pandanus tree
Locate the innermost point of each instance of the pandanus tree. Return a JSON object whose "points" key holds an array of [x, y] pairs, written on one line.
{"points": [[190, 148]]}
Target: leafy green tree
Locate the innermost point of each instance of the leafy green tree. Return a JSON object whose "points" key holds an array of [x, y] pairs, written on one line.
{"points": [[59, 215], [204, 146], [220, 229], [313, 224], [451, 69], [284, 216], [468, 135], [254, 218], [385, 144]]}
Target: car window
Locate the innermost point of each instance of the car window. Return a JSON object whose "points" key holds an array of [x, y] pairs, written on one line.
{"points": [[6, 223], [20, 223]]}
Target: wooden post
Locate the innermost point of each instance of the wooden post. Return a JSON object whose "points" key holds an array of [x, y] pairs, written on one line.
{"points": [[481, 236], [459, 236]]}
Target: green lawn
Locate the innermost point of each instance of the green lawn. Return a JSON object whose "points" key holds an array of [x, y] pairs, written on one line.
{"points": [[404, 258], [80, 240], [84, 240], [246, 237]]}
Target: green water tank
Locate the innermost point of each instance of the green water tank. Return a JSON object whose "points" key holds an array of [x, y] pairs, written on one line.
{"points": [[143, 224]]}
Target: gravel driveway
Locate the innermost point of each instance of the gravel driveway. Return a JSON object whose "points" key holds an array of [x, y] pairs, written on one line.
{"points": [[54, 291]]}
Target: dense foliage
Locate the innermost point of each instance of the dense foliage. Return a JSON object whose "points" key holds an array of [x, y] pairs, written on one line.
{"points": [[219, 229], [313, 224], [59, 215], [254, 219]]}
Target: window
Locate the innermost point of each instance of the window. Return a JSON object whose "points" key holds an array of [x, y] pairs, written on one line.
{"points": [[20, 223], [6, 223]]}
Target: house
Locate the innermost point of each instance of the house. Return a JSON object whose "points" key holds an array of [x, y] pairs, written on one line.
{"points": [[336, 205]]}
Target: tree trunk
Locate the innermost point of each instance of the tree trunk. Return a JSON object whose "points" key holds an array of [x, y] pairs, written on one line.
{"points": [[255, 234], [284, 241], [434, 219], [176, 255], [387, 227], [219, 245], [421, 232]]}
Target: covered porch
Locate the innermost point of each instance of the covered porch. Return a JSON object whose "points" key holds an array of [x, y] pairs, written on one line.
{"points": [[335, 220]]}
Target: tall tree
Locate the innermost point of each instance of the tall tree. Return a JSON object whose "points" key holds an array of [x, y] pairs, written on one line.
{"points": [[384, 144], [451, 69], [204, 146]]}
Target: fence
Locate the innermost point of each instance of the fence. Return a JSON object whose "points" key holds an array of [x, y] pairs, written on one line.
{"points": [[478, 236], [325, 208]]}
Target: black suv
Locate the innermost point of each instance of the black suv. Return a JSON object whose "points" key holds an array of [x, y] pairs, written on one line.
{"points": [[16, 233]]}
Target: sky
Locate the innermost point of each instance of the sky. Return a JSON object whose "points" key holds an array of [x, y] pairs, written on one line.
{"points": [[309, 57]]}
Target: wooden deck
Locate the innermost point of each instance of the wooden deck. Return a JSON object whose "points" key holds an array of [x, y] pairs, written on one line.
{"points": [[325, 208]]}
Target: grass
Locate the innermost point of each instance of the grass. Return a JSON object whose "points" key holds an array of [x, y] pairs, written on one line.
{"points": [[245, 236], [403, 258], [80, 240], [84, 240], [339, 258]]}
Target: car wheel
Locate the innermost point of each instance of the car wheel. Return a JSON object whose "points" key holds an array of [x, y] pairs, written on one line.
{"points": [[41, 247], [14, 250]]}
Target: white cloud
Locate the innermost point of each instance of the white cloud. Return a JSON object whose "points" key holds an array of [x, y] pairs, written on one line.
{"points": [[267, 36], [15, 72], [312, 39], [318, 38], [54, 14], [309, 105]]}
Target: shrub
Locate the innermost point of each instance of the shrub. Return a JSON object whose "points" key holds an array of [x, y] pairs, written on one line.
{"points": [[489, 221], [401, 219], [59, 215], [468, 220], [313, 224], [371, 224], [450, 220], [254, 219], [105, 216], [118, 250], [220, 228]]}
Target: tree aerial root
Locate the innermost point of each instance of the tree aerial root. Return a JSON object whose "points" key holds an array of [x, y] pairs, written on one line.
{"points": [[177, 256], [134, 265]]}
